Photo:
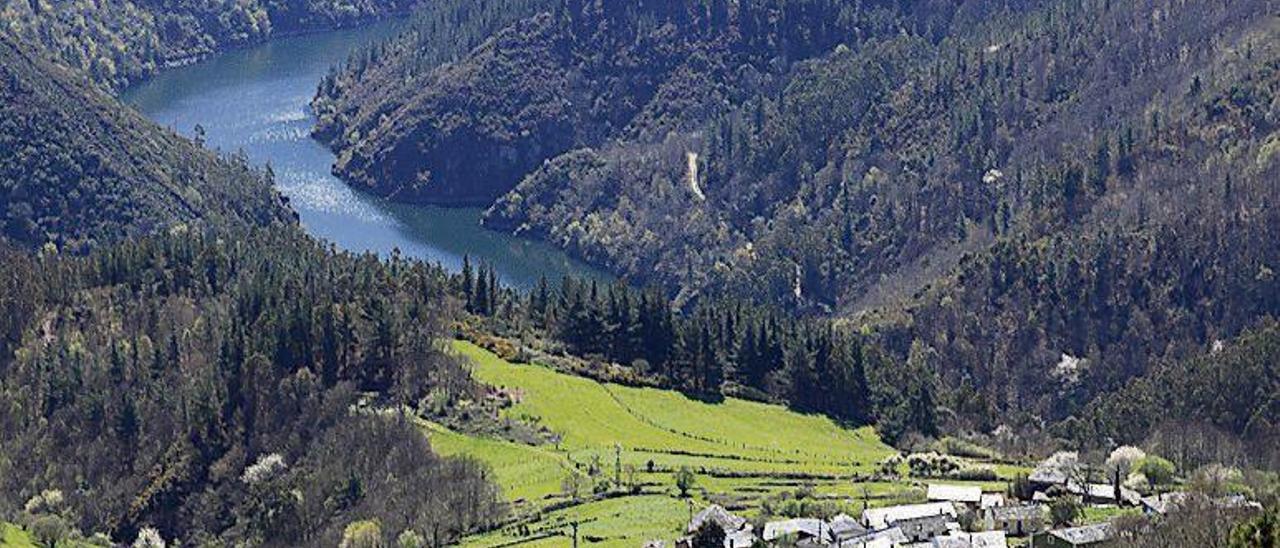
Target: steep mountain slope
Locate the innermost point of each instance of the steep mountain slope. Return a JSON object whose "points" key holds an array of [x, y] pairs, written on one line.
{"points": [[215, 387], [118, 41], [79, 168], [1036, 199], [199, 369], [575, 76]]}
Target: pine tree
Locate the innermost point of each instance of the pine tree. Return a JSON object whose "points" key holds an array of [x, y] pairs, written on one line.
{"points": [[468, 284]]}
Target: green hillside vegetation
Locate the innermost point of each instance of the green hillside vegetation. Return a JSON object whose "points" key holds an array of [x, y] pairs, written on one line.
{"points": [[192, 383], [759, 458], [80, 169], [984, 187], [116, 42], [674, 430], [12, 536]]}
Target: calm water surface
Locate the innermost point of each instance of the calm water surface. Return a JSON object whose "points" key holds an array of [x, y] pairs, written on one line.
{"points": [[256, 99]]}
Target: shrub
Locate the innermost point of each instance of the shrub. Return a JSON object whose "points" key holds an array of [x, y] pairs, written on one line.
{"points": [[1158, 471], [362, 534], [684, 480], [410, 539], [963, 448], [49, 529], [1065, 510]]}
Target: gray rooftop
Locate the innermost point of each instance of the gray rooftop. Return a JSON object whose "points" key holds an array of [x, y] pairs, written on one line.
{"points": [[1084, 535]]}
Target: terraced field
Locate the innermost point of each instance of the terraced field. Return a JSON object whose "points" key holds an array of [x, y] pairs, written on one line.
{"points": [[741, 452]]}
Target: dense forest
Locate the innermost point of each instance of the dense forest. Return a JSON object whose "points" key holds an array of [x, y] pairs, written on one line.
{"points": [[116, 42], [80, 169], [192, 384], [1037, 224], [179, 361], [1038, 201]]}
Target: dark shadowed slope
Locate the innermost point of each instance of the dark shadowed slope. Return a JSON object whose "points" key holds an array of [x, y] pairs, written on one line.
{"points": [[78, 168]]}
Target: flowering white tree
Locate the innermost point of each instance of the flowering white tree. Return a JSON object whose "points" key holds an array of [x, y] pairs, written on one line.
{"points": [[267, 467], [1123, 459], [149, 537]]}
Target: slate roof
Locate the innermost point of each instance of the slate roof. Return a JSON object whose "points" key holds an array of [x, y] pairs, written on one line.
{"points": [[1084, 535], [844, 527], [986, 539], [883, 538], [799, 526], [719, 515], [880, 518]]}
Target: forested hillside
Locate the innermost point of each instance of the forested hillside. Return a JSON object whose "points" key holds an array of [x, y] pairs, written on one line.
{"points": [[179, 360], [79, 169], [1036, 200], [118, 41], [200, 386]]}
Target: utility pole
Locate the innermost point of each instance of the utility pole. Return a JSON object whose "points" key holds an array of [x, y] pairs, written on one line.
{"points": [[617, 465]]}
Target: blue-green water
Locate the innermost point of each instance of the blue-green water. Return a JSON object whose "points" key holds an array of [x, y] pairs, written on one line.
{"points": [[256, 99]]}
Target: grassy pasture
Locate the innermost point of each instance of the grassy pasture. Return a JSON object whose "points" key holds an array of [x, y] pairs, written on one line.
{"points": [[742, 453]]}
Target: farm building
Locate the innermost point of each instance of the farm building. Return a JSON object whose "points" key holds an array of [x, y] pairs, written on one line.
{"points": [[794, 529], [883, 518], [970, 495], [1016, 520], [737, 530], [986, 539], [844, 527], [923, 528], [892, 536], [1073, 537], [718, 515]]}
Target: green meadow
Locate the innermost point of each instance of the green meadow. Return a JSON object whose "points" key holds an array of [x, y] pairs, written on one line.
{"points": [[12, 536], [741, 453]]}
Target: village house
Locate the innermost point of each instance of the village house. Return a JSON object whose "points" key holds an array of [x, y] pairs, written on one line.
{"points": [[1015, 520], [844, 527], [797, 529], [985, 539], [923, 528], [1074, 537], [883, 518], [737, 530], [967, 495], [883, 538]]}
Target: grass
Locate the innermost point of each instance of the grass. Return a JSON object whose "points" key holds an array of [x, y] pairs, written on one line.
{"points": [[625, 521], [673, 430], [1099, 514], [12, 536], [525, 473], [742, 453]]}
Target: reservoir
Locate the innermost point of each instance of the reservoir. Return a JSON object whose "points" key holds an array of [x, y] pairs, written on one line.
{"points": [[257, 100]]}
